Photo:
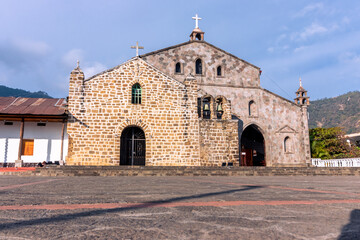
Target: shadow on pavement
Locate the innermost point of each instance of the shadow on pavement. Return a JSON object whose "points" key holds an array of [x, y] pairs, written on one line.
{"points": [[352, 229], [71, 216]]}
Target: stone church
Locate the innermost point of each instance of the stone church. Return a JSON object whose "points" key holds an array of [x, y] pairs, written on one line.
{"points": [[192, 104]]}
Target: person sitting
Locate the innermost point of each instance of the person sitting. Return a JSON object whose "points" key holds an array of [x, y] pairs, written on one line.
{"points": [[42, 164]]}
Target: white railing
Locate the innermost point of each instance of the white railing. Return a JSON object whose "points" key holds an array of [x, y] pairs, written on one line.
{"points": [[345, 162]]}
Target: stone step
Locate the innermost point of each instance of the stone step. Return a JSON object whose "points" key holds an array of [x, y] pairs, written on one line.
{"points": [[184, 171]]}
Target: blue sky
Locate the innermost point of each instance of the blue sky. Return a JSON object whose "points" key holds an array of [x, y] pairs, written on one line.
{"points": [[40, 40]]}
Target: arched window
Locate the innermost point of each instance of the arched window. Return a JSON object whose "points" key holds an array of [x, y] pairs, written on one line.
{"points": [[219, 71], [198, 66], [287, 144], [198, 36], [304, 101], [251, 108], [178, 68], [136, 94]]}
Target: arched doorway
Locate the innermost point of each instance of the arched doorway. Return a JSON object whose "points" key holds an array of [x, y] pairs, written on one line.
{"points": [[133, 149], [252, 147]]}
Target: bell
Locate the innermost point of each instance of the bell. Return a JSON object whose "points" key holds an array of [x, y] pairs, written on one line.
{"points": [[219, 107], [206, 107]]}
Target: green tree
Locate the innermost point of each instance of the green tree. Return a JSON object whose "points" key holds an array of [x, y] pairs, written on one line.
{"points": [[328, 143]]}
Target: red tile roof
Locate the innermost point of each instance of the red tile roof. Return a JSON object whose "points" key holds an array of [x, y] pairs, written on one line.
{"points": [[32, 106]]}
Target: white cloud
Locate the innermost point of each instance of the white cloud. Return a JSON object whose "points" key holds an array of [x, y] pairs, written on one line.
{"points": [[311, 30], [317, 52], [270, 49], [92, 69], [89, 68], [70, 58], [31, 47], [310, 8], [346, 20], [350, 58]]}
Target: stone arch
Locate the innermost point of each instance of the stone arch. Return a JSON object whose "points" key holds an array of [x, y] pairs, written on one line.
{"points": [[133, 146], [252, 146], [136, 123], [199, 66], [207, 107], [143, 85], [225, 106], [136, 93], [252, 108], [178, 68], [132, 123], [287, 144], [219, 71]]}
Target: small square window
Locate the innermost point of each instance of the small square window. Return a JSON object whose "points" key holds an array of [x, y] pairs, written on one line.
{"points": [[41, 124], [27, 148], [8, 123]]}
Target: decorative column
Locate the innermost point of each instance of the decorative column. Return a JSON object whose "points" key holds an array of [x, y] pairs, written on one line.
{"points": [[19, 162], [62, 143]]}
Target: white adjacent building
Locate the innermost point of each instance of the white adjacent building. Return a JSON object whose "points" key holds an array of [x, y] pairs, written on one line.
{"points": [[32, 130]]}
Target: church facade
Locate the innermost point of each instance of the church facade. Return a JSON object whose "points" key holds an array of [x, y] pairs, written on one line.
{"points": [[191, 104]]}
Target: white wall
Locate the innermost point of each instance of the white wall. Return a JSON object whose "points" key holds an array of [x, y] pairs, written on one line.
{"points": [[47, 142]]}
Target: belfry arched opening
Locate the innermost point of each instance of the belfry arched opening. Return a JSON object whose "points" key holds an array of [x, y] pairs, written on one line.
{"points": [[133, 147], [252, 147]]}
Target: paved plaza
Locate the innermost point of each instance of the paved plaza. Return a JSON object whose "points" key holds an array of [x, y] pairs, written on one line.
{"points": [[320, 207]]}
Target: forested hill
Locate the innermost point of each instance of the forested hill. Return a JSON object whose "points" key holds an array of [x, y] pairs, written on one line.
{"points": [[14, 92], [342, 111]]}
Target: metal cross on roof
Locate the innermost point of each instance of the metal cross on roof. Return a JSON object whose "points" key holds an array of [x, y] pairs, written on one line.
{"points": [[196, 18], [137, 47]]}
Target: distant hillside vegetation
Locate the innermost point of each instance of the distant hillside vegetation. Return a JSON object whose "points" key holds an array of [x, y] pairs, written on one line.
{"points": [[342, 111], [15, 92]]}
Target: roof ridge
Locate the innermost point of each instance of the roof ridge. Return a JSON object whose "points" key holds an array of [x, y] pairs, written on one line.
{"points": [[198, 41]]}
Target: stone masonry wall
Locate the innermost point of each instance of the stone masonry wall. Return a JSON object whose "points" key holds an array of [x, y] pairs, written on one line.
{"points": [[276, 117], [236, 72], [218, 142], [101, 108]]}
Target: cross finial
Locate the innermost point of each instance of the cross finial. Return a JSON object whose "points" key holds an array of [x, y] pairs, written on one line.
{"points": [[137, 47], [196, 18], [77, 64], [300, 81]]}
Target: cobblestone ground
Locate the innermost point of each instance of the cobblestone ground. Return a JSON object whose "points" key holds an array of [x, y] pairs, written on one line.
{"points": [[180, 207]]}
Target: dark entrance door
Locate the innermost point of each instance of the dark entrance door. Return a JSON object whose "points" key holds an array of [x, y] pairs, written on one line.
{"points": [[252, 147], [133, 149]]}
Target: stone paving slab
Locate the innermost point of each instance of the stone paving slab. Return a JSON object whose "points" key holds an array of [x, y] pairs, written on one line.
{"points": [[313, 207]]}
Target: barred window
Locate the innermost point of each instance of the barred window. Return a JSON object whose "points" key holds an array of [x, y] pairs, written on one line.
{"points": [[198, 67], [136, 94]]}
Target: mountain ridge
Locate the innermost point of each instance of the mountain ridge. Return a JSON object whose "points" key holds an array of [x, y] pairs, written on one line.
{"points": [[16, 92], [341, 111]]}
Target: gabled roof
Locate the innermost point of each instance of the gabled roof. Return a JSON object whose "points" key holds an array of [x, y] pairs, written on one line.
{"points": [[190, 42], [135, 59], [32, 106], [287, 100]]}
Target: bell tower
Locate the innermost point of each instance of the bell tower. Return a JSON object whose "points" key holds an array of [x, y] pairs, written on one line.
{"points": [[197, 34], [301, 96]]}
